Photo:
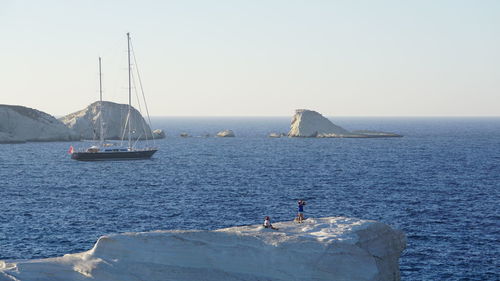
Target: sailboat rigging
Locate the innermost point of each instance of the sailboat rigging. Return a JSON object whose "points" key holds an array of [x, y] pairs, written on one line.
{"points": [[106, 152]]}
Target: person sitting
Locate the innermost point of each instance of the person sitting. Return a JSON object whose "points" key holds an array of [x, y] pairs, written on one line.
{"points": [[267, 223]]}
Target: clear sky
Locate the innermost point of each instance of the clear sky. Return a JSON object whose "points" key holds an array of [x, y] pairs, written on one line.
{"points": [[256, 58]]}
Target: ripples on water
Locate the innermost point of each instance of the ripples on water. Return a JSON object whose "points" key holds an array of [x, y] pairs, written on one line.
{"points": [[439, 184]]}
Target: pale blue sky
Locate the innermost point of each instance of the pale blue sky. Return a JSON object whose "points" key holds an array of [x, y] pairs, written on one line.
{"points": [[257, 58]]}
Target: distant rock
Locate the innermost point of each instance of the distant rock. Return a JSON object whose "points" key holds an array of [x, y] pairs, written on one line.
{"points": [[159, 134], [309, 123], [86, 124], [275, 135], [225, 134], [376, 134], [330, 249], [22, 124]]}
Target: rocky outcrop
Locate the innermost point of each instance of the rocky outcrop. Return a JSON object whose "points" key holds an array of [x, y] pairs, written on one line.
{"points": [[21, 124], [225, 134], [277, 135], [86, 122], [309, 123], [335, 248], [159, 134]]}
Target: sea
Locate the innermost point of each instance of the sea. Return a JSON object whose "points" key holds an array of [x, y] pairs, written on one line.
{"points": [[440, 184]]}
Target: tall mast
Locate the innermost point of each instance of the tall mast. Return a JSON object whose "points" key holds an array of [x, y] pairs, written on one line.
{"points": [[129, 91], [100, 105]]}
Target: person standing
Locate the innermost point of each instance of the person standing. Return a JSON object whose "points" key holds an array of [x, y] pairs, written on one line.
{"points": [[300, 214]]}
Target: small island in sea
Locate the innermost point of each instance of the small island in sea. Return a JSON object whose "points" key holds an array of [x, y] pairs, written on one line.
{"points": [[311, 124]]}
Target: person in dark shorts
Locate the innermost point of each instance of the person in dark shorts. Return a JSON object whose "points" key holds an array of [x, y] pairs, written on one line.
{"points": [[300, 214]]}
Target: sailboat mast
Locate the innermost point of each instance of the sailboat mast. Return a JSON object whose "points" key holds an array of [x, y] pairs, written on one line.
{"points": [[100, 105], [129, 91]]}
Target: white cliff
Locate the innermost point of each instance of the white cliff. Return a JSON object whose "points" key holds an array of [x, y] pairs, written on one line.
{"points": [[309, 123], [21, 124], [86, 122], [335, 248]]}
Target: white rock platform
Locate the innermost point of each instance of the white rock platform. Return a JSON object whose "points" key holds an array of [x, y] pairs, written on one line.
{"points": [[334, 248]]}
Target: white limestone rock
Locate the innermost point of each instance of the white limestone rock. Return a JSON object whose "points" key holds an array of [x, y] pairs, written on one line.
{"points": [[21, 124], [86, 122], [335, 248], [226, 134], [309, 123], [159, 134]]}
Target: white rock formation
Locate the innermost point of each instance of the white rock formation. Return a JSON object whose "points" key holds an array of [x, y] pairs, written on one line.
{"points": [[86, 124], [332, 249], [159, 134], [225, 134], [309, 123], [21, 124]]}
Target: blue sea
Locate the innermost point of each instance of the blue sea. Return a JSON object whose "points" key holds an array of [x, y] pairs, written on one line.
{"points": [[440, 184]]}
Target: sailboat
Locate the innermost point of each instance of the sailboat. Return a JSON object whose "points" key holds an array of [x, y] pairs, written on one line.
{"points": [[104, 151]]}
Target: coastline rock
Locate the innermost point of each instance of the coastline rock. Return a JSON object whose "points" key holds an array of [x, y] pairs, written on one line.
{"points": [[309, 123], [335, 248], [22, 124], [86, 122], [226, 134]]}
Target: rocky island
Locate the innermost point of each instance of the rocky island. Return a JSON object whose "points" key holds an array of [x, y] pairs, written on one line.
{"points": [[309, 123], [333, 248], [85, 122], [22, 124]]}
